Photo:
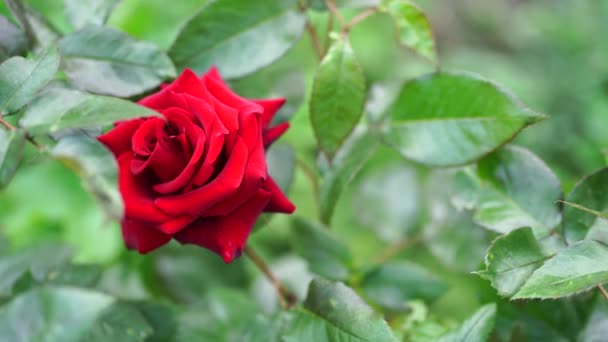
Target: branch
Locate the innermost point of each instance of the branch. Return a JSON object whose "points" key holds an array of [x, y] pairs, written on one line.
{"points": [[314, 38], [28, 137], [286, 298], [333, 9]]}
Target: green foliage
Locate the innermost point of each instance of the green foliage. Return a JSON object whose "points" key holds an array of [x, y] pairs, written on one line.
{"points": [[475, 328], [11, 152]]}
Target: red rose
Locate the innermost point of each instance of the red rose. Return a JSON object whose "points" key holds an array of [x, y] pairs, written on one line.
{"points": [[197, 172]]}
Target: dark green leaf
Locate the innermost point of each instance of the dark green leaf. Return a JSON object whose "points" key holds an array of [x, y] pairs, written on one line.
{"points": [[412, 28], [58, 109], [590, 193], [281, 159], [446, 119], [85, 12], [51, 314], [237, 36], [97, 167], [338, 96], [573, 270], [391, 285], [519, 190], [39, 259], [334, 312], [11, 152], [21, 79], [161, 317], [511, 260], [349, 160], [326, 255], [12, 39], [119, 322], [475, 328], [107, 61]]}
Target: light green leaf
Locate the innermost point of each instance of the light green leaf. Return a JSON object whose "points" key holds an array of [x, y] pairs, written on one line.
{"points": [[320, 4], [54, 314], [85, 12], [511, 259], [575, 269], [475, 328], [446, 119], [338, 96], [40, 260], [21, 79], [326, 255], [590, 192], [97, 168], [239, 37], [347, 163], [334, 312], [107, 61], [57, 109], [281, 159], [518, 190], [11, 152], [412, 28], [391, 285], [12, 39]]}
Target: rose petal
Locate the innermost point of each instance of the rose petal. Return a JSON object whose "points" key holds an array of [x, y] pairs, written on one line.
{"points": [[118, 139], [272, 134], [226, 235], [202, 110], [187, 172], [175, 225], [278, 203], [218, 88], [144, 139], [141, 236], [166, 161], [226, 183], [271, 107]]}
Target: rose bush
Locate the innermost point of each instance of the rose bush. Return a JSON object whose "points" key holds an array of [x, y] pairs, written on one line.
{"points": [[197, 172]]}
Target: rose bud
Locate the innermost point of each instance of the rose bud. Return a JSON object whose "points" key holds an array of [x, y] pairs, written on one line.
{"points": [[197, 172]]}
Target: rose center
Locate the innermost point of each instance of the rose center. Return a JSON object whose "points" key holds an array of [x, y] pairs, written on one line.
{"points": [[171, 130]]}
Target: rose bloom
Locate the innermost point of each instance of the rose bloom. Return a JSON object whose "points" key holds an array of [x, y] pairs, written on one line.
{"points": [[197, 172]]}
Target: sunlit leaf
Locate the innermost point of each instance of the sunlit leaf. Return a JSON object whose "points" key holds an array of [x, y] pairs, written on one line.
{"points": [[446, 119], [338, 96], [475, 328], [239, 37]]}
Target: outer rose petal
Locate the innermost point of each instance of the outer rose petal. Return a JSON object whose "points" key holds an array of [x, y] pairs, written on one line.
{"points": [[278, 203], [226, 235], [272, 134], [271, 107], [141, 236], [218, 88], [118, 140]]}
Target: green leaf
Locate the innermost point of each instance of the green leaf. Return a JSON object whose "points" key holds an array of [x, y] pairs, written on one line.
{"points": [[39, 31], [393, 284], [519, 190], [11, 152], [239, 37], [575, 269], [334, 312], [119, 322], [89, 12], [475, 328], [51, 314], [21, 79], [12, 39], [591, 193], [79, 275], [511, 259], [447, 119], [326, 255], [226, 315], [596, 328], [57, 109], [107, 61], [338, 96], [347, 163], [281, 160], [161, 317], [412, 28], [39, 259], [97, 168], [320, 4]]}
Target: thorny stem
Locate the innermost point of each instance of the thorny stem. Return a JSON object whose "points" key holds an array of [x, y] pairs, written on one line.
{"points": [[286, 298], [314, 38], [27, 137]]}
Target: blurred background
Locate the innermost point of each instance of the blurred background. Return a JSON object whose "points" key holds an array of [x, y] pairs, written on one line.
{"points": [[551, 53]]}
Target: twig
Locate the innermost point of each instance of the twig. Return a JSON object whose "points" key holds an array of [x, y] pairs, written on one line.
{"points": [[314, 38], [396, 248], [330, 26], [333, 9], [286, 298], [361, 16], [28, 137], [603, 291]]}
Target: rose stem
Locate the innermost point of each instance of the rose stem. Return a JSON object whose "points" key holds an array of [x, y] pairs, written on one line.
{"points": [[603, 291], [286, 298], [314, 38], [28, 137], [334, 11], [361, 16]]}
